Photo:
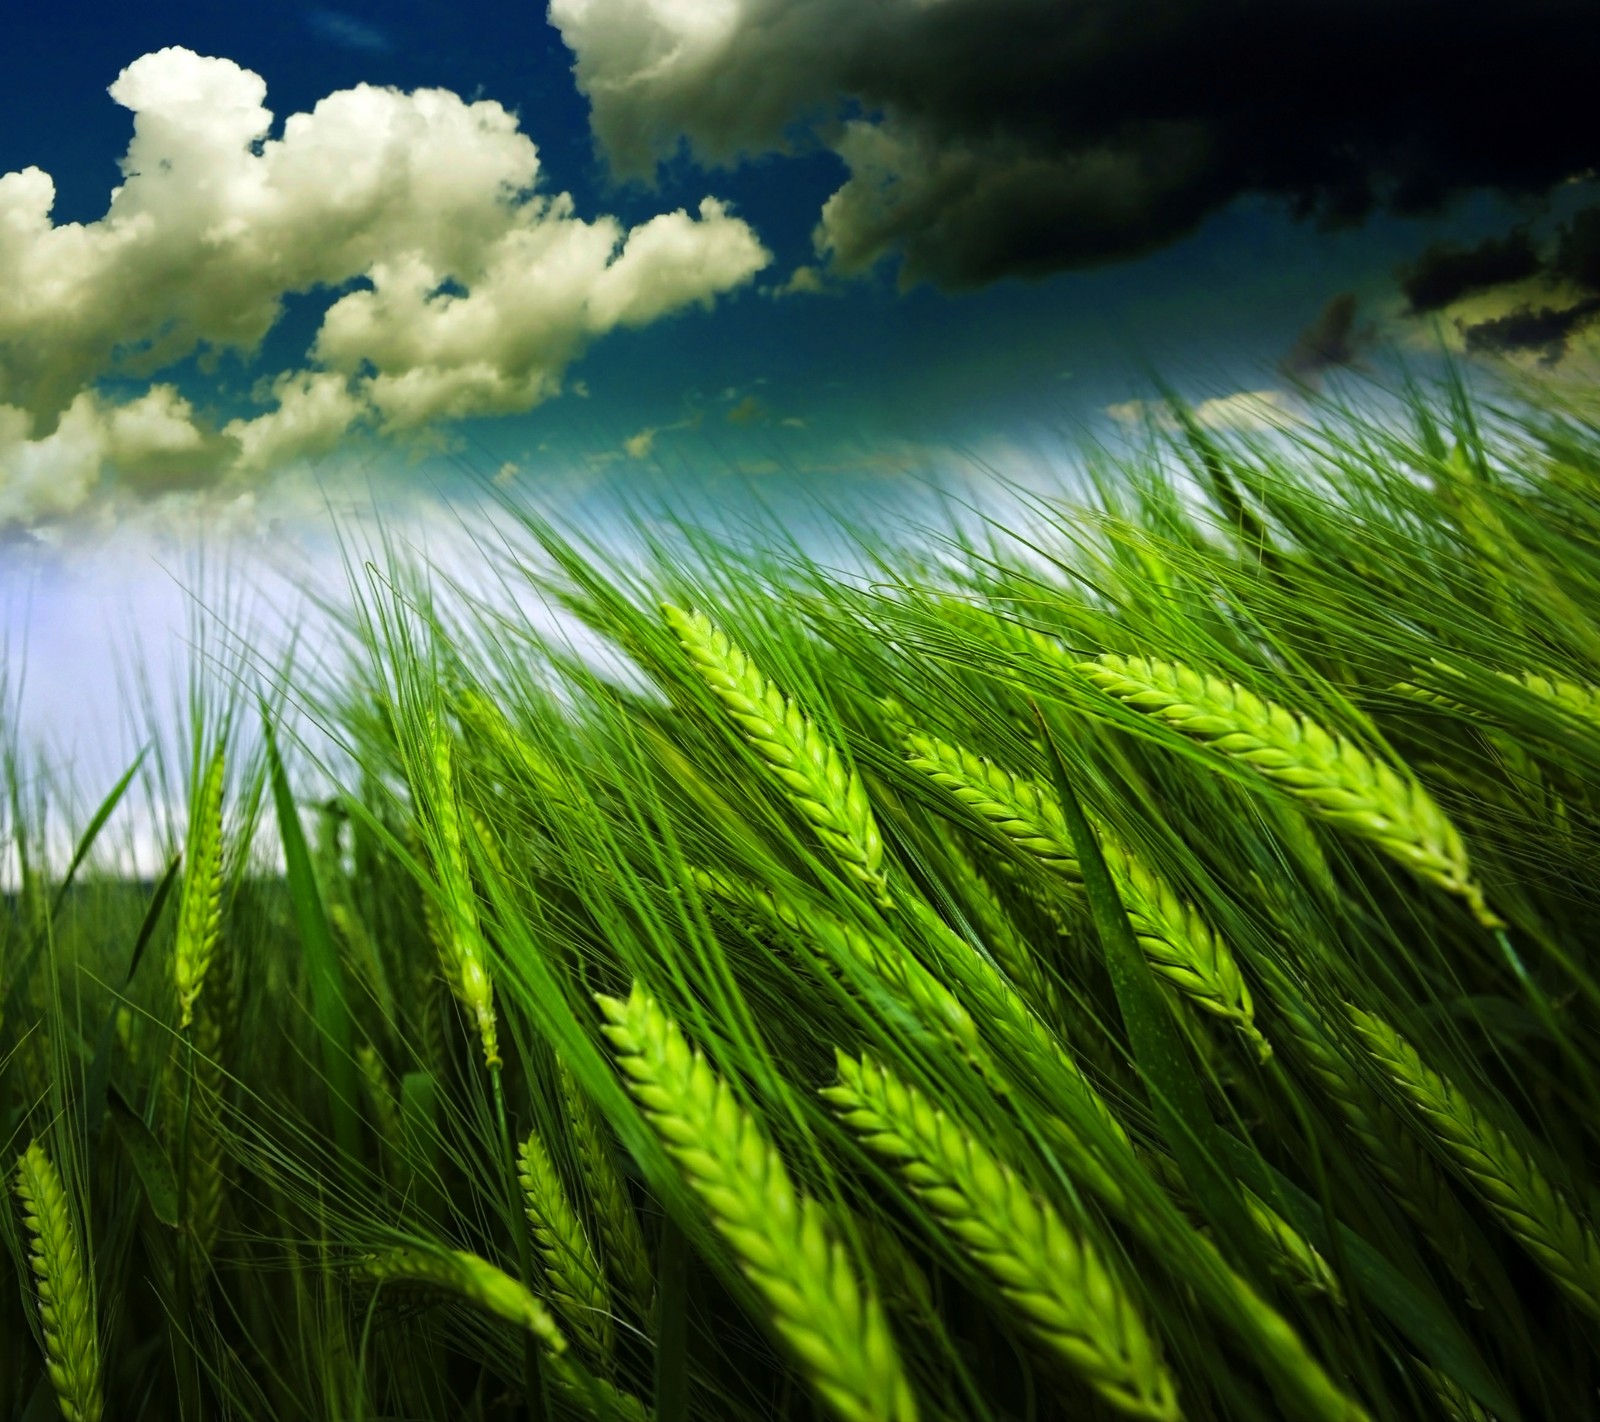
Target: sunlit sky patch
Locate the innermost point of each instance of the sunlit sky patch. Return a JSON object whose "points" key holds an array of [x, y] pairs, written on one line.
{"points": [[249, 256]]}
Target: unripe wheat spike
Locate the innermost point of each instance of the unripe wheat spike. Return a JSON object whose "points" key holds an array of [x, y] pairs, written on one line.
{"points": [[576, 1283], [1181, 946], [829, 796], [1415, 1181], [1176, 940], [458, 934], [834, 1324], [1330, 775], [1011, 804], [468, 1276], [1055, 1279], [61, 1287], [842, 943], [610, 1208], [200, 911], [1505, 1177]]}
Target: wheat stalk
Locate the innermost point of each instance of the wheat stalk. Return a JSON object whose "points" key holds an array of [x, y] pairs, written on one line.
{"points": [[200, 909], [1503, 1175], [612, 1211], [62, 1288], [204, 1163], [834, 1324], [1330, 775], [576, 1282], [1054, 1278], [828, 794], [470, 1277]]}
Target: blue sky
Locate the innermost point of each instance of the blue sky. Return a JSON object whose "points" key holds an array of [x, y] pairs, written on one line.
{"points": [[391, 250]]}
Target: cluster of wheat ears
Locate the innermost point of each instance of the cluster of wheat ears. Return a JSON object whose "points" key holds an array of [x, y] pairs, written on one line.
{"points": [[1144, 972]]}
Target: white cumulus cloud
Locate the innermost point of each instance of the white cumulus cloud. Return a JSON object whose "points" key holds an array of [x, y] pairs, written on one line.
{"points": [[459, 288], [1242, 410]]}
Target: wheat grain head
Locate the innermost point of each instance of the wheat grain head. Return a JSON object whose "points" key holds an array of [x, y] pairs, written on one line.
{"points": [[61, 1287], [1055, 1278], [458, 934], [470, 1277], [829, 795], [1331, 776], [576, 1282], [834, 1324], [1175, 938], [200, 909], [1536, 1214]]}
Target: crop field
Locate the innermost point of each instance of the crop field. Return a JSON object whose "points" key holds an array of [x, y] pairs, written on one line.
{"points": [[1133, 962]]}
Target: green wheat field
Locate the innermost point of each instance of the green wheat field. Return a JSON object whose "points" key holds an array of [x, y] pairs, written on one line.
{"points": [[1134, 962]]}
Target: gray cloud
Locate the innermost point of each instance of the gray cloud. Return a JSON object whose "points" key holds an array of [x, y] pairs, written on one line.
{"points": [[1444, 273], [1542, 330], [1331, 342], [988, 138], [1511, 295]]}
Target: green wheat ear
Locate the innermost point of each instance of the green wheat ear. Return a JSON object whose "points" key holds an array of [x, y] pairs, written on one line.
{"points": [[457, 932], [1176, 940], [1053, 1277], [470, 1277], [617, 1224], [65, 1304], [782, 1238], [1331, 776], [200, 910], [576, 1282], [1402, 1161], [828, 795], [1504, 1175], [844, 946]]}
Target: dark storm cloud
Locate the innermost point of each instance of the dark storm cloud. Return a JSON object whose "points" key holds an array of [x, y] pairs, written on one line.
{"points": [[1568, 263], [1333, 340], [1577, 255], [987, 138], [1545, 330], [1444, 273]]}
